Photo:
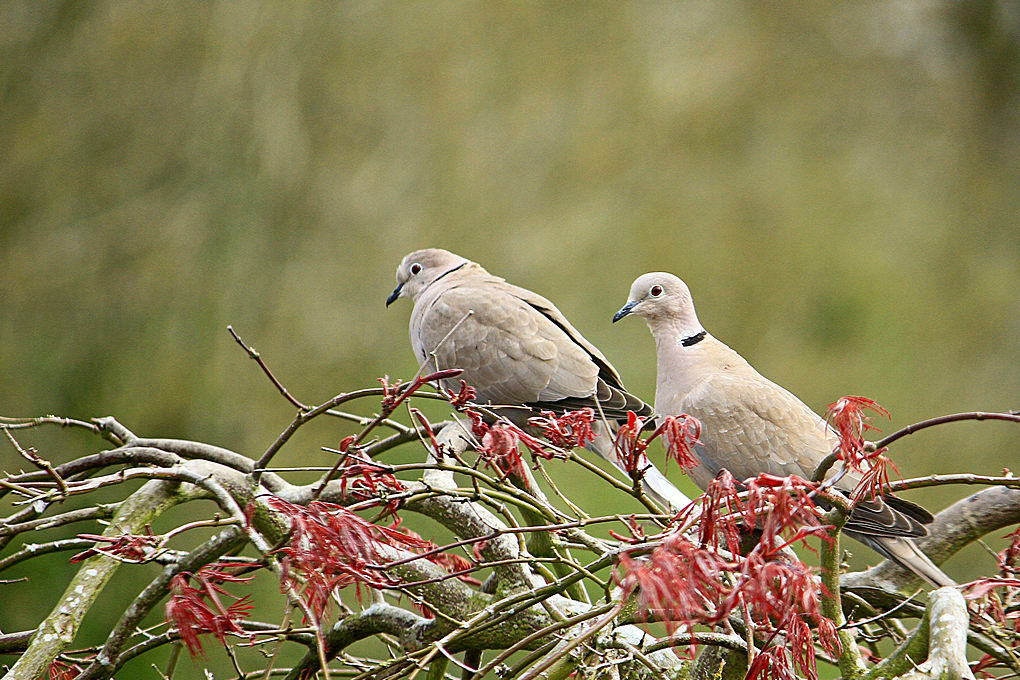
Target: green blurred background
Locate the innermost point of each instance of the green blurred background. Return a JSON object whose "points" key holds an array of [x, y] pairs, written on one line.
{"points": [[837, 183]]}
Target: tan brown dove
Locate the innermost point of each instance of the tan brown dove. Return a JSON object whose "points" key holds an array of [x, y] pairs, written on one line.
{"points": [[515, 348], [751, 425]]}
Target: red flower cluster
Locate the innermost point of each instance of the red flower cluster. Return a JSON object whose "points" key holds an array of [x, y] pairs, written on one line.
{"points": [[847, 416], [194, 611], [772, 663], [567, 431], [330, 547], [679, 580], [690, 583], [782, 508], [682, 434]]}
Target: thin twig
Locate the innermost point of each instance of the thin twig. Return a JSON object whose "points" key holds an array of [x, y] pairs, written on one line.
{"points": [[1011, 416], [961, 478], [253, 354], [33, 457]]}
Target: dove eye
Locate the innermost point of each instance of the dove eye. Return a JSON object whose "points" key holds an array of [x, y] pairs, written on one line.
{"points": [[655, 291], [415, 269]]}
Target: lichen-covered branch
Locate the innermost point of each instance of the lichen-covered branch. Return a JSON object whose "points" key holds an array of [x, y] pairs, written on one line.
{"points": [[938, 648], [58, 629]]}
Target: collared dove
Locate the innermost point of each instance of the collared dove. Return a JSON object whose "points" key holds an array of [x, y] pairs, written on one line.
{"points": [[751, 425], [516, 349]]}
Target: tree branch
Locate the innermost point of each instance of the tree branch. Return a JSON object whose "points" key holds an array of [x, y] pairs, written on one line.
{"points": [[59, 628]]}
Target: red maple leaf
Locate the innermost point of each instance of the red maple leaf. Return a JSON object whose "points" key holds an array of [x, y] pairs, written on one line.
{"points": [[682, 433], [199, 609], [330, 548]]}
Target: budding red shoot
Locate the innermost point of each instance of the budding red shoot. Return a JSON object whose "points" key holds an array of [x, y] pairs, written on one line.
{"points": [[462, 398], [498, 444], [390, 393], [128, 547], [444, 374], [427, 426], [394, 393], [995, 604], [1008, 557], [367, 482], [637, 533], [630, 446]]}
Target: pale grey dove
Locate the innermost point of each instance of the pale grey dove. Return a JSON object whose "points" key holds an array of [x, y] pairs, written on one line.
{"points": [[516, 349], [751, 425]]}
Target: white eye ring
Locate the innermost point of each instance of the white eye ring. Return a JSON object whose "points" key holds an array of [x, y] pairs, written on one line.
{"points": [[415, 269], [655, 291]]}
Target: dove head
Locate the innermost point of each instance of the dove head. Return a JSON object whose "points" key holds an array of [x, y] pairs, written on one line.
{"points": [[418, 270], [661, 299]]}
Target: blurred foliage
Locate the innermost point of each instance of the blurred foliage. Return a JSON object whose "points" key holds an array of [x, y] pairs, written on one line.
{"points": [[837, 182]]}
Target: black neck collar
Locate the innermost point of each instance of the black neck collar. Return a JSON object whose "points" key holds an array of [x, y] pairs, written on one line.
{"points": [[693, 339], [450, 271]]}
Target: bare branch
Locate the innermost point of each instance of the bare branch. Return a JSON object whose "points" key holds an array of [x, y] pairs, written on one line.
{"points": [[1010, 416], [253, 354], [35, 459]]}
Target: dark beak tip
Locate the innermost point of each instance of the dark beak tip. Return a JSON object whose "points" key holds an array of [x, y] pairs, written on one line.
{"points": [[394, 295], [624, 311]]}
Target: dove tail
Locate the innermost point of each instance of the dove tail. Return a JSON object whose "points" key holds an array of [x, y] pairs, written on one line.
{"points": [[906, 553]]}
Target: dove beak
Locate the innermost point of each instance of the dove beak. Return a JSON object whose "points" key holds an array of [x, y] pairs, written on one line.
{"points": [[625, 310], [394, 295]]}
